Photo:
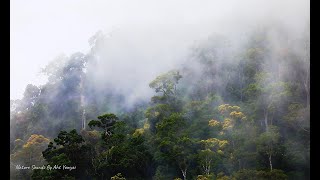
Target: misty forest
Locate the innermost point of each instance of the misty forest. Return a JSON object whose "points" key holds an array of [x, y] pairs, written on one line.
{"points": [[233, 108]]}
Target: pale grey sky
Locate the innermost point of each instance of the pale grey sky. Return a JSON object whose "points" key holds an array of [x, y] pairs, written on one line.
{"points": [[43, 29]]}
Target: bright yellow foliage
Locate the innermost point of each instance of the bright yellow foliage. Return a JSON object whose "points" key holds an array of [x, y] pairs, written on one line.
{"points": [[35, 140], [203, 177], [227, 124], [138, 132], [31, 151], [214, 142], [227, 108], [141, 131], [223, 108], [214, 123], [146, 125], [237, 115], [235, 108]]}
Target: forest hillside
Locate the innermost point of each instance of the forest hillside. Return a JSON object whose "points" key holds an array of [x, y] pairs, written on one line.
{"points": [[233, 108]]}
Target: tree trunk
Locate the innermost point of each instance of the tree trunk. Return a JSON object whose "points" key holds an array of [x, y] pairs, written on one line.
{"points": [[207, 166], [184, 173], [183, 167], [84, 123], [266, 119], [270, 162]]}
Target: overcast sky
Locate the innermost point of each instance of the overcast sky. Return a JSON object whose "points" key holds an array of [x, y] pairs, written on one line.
{"points": [[43, 29]]}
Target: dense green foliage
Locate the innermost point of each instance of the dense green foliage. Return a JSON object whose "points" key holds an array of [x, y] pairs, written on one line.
{"points": [[224, 114]]}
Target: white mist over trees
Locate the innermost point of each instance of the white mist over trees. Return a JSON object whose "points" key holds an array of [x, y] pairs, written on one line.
{"points": [[42, 30]]}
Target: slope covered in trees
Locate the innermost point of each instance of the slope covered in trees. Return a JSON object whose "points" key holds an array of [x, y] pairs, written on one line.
{"points": [[228, 112]]}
